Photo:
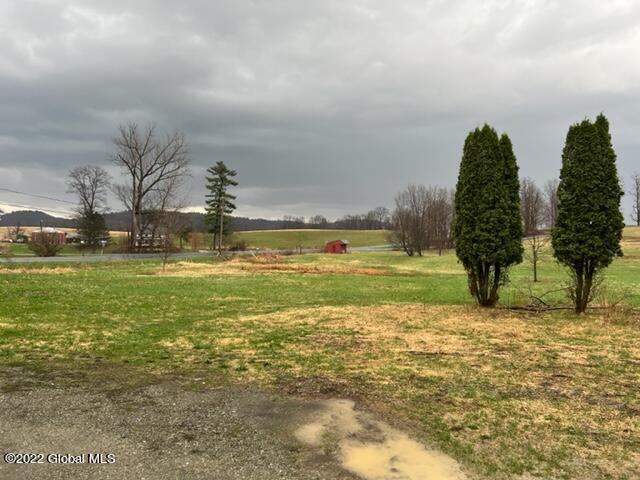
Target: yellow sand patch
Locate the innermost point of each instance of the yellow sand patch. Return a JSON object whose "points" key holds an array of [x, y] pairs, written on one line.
{"points": [[392, 455]]}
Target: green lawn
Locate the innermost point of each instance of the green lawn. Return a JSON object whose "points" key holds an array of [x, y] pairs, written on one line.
{"points": [[506, 393], [291, 239]]}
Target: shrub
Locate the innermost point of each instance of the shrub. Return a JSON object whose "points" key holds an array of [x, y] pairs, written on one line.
{"points": [[45, 246]]}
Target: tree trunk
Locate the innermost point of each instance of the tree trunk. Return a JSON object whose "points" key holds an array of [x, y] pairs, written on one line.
{"points": [[586, 289], [220, 234], [484, 283], [493, 297], [579, 290]]}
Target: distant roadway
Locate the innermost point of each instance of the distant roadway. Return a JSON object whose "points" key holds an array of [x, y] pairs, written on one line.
{"points": [[117, 257]]}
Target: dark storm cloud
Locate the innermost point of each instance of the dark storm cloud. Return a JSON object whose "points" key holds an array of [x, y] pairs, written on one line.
{"points": [[323, 107]]}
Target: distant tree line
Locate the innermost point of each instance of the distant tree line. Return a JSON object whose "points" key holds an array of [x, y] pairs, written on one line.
{"points": [[120, 220], [422, 219], [378, 218]]}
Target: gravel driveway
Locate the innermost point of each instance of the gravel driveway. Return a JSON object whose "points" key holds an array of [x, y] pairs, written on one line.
{"points": [[64, 426], [159, 432]]}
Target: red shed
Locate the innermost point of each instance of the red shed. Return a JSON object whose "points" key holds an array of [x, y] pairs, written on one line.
{"points": [[336, 246]]}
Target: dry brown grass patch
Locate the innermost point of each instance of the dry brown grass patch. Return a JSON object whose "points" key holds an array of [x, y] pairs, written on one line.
{"points": [[37, 270], [247, 266]]}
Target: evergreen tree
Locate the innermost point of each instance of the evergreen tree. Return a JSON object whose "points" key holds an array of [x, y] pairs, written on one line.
{"points": [[93, 229], [588, 230], [219, 201], [488, 225]]}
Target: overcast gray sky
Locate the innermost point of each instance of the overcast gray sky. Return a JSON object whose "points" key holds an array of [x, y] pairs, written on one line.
{"points": [[322, 106]]}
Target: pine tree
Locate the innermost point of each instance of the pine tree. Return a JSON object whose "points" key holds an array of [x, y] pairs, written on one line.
{"points": [[488, 226], [93, 229], [589, 227], [219, 202]]}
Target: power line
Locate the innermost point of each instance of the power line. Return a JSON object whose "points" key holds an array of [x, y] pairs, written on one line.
{"points": [[36, 195], [31, 207]]}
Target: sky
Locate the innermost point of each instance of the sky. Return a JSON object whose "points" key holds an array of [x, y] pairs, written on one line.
{"points": [[323, 107]]}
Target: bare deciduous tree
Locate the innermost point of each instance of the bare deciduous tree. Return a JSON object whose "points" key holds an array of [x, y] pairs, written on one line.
{"points": [[535, 244], [531, 206], [150, 163], [422, 219], [417, 198], [90, 184], [534, 211], [634, 191], [401, 229], [440, 218], [318, 221], [378, 218], [551, 202], [166, 218]]}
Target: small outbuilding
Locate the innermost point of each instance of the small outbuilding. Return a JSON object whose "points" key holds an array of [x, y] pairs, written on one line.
{"points": [[336, 246]]}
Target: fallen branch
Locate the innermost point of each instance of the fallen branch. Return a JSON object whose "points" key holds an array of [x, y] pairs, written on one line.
{"points": [[549, 308], [538, 308]]}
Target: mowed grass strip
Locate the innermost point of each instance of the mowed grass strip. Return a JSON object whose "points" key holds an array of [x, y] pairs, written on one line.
{"points": [[550, 395]]}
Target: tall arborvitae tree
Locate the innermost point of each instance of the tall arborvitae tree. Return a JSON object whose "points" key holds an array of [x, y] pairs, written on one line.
{"points": [[589, 226], [219, 201], [488, 225]]}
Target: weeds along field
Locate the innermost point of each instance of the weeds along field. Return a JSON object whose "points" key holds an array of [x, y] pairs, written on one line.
{"points": [[505, 392]]}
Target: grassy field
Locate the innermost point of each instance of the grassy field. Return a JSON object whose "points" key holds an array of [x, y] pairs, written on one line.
{"points": [[506, 393], [22, 250], [267, 239], [291, 239]]}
